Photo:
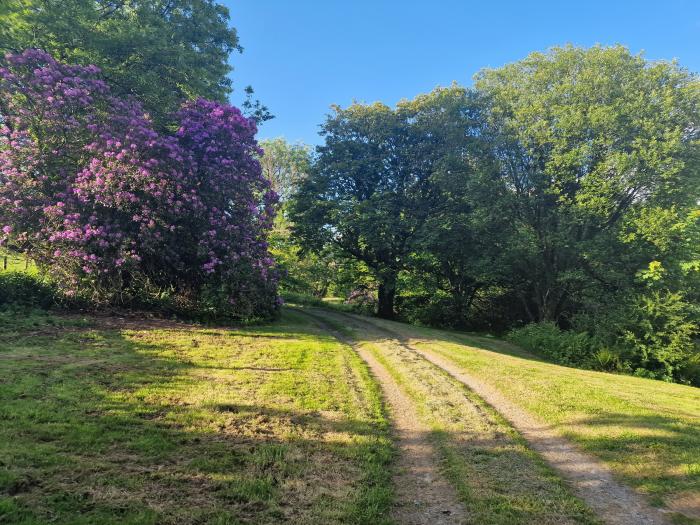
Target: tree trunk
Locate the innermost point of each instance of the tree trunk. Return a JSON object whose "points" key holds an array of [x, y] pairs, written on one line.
{"points": [[387, 292], [549, 305]]}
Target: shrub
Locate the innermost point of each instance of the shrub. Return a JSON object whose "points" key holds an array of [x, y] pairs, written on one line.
{"points": [[24, 289], [660, 332], [123, 214], [606, 359], [689, 371], [561, 346]]}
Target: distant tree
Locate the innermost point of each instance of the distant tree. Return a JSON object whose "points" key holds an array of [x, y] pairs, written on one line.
{"points": [[161, 51], [378, 180], [285, 165]]}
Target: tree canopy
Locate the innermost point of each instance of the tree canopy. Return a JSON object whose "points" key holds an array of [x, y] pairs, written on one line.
{"points": [[562, 189], [586, 139], [378, 179], [161, 51]]}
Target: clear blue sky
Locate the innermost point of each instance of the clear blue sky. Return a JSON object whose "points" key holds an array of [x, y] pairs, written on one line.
{"points": [[301, 56]]}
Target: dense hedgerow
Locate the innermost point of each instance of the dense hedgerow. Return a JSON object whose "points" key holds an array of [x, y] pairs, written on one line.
{"points": [[118, 212], [24, 289]]}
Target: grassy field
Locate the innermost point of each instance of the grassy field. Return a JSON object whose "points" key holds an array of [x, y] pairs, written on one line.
{"points": [[647, 431], [15, 261], [496, 476], [109, 421]]}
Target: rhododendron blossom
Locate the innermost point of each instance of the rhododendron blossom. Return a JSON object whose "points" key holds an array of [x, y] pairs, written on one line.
{"points": [[112, 207]]}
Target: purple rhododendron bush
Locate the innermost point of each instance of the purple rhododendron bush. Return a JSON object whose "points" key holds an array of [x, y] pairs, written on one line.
{"points": [[117, 212]]}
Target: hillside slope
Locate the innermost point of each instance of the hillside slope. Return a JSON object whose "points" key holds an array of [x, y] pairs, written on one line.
{"points": [[321, 417], [647, 432]]}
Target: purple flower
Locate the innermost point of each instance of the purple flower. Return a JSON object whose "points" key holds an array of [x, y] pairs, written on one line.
{"points": [[189, 209]]}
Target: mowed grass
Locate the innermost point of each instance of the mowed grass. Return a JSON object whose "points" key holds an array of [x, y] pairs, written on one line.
{"points": [[158, 422], [647, 431], [498, 478]]}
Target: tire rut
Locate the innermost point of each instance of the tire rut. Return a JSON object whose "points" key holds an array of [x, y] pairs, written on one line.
{"points": [[422, 494], [589, 478]]}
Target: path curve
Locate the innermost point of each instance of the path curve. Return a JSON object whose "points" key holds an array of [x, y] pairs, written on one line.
{"points": [[590, 479], [422, 495]]}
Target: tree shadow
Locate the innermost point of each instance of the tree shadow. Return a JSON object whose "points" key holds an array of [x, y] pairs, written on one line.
{"points": [[97, 429], [655, 452]]}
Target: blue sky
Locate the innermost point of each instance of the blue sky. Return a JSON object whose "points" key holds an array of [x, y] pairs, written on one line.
{"points": [[301, 56]]}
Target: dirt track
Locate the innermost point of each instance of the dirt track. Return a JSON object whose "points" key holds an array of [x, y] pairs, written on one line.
{"points": [[422, 496], [590, 480]]}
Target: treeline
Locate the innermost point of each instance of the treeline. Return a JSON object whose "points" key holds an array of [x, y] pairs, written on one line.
{"points": [[560, 192]]}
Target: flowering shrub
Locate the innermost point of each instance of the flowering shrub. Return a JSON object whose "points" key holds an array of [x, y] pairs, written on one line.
{"points": [[120, 213]]}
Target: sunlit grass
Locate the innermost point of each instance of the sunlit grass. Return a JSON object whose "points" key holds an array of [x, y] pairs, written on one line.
{"points": [[647, 431], [174, 423], [13, 261], [499, 479]]}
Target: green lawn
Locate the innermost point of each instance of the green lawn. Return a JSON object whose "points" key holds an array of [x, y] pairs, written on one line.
{"points": [[145, 421], [498, 478], [157, 422], [15, 261], [647, 431]]}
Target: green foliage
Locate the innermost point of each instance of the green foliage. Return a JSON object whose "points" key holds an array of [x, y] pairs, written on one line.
{"points": [[302, 273], [26, 289], [587, 141], [285, 165], [654, 338], [661, 333], [162, 51], [561, 346], [562, 191], [689, 371], [378, 180]]}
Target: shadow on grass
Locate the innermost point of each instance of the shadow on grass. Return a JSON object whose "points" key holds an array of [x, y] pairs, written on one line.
{"points": [[666, 450], [652, 448], [97, 429]]}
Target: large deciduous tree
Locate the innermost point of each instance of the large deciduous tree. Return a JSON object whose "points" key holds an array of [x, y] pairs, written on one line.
{"points": [[586, 140], [378, 181]]}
